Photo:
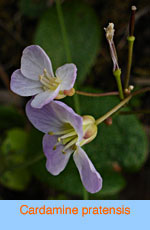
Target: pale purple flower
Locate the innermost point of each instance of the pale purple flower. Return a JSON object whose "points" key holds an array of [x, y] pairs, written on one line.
{"points": [[36, 77], [65, 133]]}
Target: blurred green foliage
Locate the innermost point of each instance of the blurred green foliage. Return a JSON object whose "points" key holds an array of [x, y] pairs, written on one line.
{"points": [[83, 34], [13, 153]]}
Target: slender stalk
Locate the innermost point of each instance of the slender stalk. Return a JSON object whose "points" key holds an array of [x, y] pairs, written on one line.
{"points": [[85, 194], [69, 59], [117, 74], [66, 46], [96, 94], [129, 64], [130, 39], [112, 111], [63, 30], [121, 104]]}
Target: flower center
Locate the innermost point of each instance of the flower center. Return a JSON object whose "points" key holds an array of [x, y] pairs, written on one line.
{"points": [[68, 137], [49, 82]]}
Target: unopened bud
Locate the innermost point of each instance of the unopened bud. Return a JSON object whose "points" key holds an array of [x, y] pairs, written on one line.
{"points": [[116, 167], [70, 92], [89, 129], [133, 8], [108, 121], [65, 93], [127, 91], [131, 87]]}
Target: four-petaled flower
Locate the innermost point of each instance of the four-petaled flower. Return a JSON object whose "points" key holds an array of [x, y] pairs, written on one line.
{"points": [[65, 133], [36, 77]]}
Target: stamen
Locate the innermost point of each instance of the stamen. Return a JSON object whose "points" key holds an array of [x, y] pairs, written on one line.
{"points": [[54, 148], [69, 134], [46, 73], [64, 131], [48, 81], [71, 143]]}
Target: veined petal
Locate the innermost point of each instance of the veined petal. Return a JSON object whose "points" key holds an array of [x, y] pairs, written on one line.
{"points": [[24, 86], [56, 160], [67, 73], [91, 179], [44, 98], [33, 62], [65, 114], [53, 117]]}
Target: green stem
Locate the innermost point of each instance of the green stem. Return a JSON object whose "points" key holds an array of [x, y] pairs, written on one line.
{"points": [[85, 194], [130, 54], [66, 45], [69, 59], [96, 94], [117, 74], [63, 30], [112, 111], [121, 104]]}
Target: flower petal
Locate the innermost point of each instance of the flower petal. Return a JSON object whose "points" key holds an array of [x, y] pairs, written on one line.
{"points": [[56, 160], [44, 98], [91, 179], [53, 117], [24, 86], [33, 61], [67, 73]]}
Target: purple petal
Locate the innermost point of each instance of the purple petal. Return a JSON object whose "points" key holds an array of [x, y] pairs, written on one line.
{"points": [[44, 98], [91, 179], [67, 73], [53, 116], [24, 86], [56, 160], [33, 61]]}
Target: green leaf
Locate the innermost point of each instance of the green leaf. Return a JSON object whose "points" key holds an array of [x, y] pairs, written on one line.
{"points": [[13, 153], [17, 179], [83, 34], [13, 149], [16, 140], [15, 143], [32, 8]]}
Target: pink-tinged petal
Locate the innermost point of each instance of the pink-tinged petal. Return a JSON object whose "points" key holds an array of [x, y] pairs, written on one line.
{"points": [[34, 60], [56, 160], [24, 86], [44, 98], [53, 117], [91, 179], [67, 73]]}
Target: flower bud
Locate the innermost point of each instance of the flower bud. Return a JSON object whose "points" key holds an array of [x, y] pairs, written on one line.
{"points": [[65, 93], [108, 121], [70, 92], [89, 129]]}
